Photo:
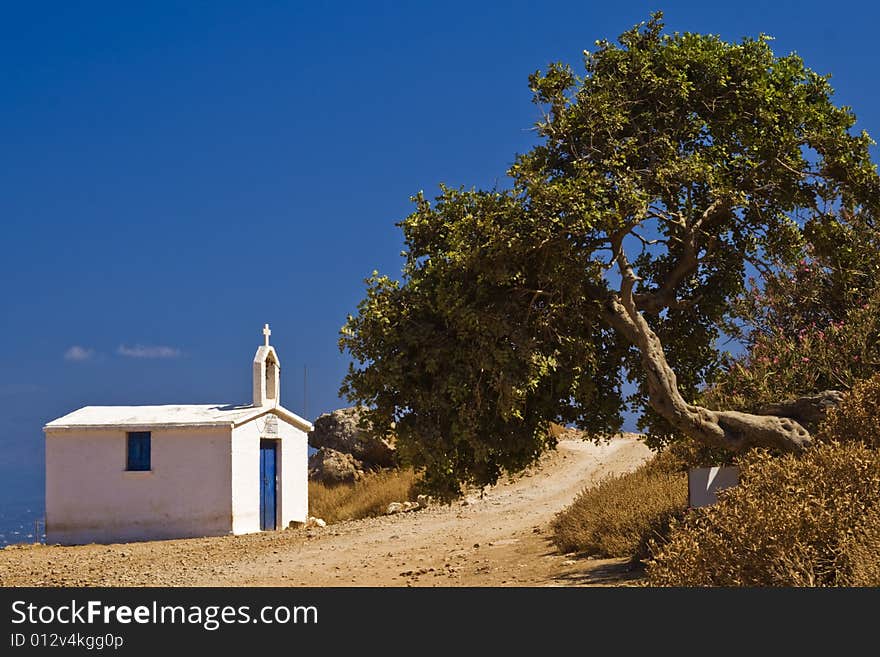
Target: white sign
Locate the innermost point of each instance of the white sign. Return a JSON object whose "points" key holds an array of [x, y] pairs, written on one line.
{"points": [[704, 483]]}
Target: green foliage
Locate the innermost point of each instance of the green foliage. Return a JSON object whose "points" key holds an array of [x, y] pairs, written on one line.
{"points": [[793, 521], [621, 515], [692, 155], [472, 358], [857, 417]]}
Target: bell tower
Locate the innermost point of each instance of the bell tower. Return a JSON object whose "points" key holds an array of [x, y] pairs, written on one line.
{"points": [[267, 373]]}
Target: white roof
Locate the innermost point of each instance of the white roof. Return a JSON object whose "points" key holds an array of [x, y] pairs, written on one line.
{"points": [[170, 416]]}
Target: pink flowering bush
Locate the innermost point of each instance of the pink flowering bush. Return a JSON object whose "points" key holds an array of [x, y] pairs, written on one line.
{"points": [[808, 327], [781, 364]]}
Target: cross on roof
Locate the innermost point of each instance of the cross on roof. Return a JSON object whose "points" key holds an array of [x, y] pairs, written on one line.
{"points": [[266, 333]]}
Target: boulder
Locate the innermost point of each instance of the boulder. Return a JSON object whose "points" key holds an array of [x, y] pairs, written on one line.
{"points": [[401, 507], [346, 430], [331, 467], [394, 507]]}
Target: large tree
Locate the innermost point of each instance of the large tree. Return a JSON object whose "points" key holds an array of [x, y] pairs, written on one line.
{"points": [[673, 168]]}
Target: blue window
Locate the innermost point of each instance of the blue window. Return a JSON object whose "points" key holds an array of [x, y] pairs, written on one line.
{"points": [[138, 449]]}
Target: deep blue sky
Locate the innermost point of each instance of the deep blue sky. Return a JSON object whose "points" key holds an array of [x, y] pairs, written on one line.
{"points": [[177, 174]]}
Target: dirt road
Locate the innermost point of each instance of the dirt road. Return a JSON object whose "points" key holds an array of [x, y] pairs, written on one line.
{"points": [[501, 539]]}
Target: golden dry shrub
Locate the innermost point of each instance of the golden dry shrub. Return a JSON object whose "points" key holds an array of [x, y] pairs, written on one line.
{"points": [[792, 521], [857, 417], [368, 497], [619, 516], [861, 551]]}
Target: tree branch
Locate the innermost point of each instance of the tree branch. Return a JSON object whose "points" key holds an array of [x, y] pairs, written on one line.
{"points": [[730, 429], [761, 266], [664, 296], [647, 242], [808, 411], [628, 277]]}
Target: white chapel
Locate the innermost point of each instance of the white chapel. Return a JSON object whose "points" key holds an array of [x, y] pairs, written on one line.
{"points": [[131, 473]]}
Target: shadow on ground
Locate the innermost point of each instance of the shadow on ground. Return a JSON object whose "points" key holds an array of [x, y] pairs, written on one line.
{"points": [[602, 572]]}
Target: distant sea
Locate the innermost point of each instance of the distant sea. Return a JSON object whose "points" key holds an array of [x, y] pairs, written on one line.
{"points": [[22, 502], [18, 525]]}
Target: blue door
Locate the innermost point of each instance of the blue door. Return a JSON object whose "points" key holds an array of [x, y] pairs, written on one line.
{"points": [[267, 485]]}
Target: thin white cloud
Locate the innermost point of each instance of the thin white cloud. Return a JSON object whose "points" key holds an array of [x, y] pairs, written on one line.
{"points": [[143, 351], [79, 354]]}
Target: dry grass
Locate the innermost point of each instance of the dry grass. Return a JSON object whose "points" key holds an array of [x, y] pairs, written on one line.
{"points": [[368, 497], [619, 516], [557, 430]]}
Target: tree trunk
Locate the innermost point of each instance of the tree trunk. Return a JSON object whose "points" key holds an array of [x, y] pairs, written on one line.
{"points": [[808, 410], [730, 429]]}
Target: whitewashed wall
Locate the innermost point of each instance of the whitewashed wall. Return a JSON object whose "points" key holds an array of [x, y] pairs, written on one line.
{"points": [[294, 493], [293, 488], [90, 497], [246, 478]]}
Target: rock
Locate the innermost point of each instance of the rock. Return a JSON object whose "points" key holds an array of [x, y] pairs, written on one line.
{"points": [[316, 522], [332, 467], [567, 433], [394, 507], [347, 430], [401, 507]]}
